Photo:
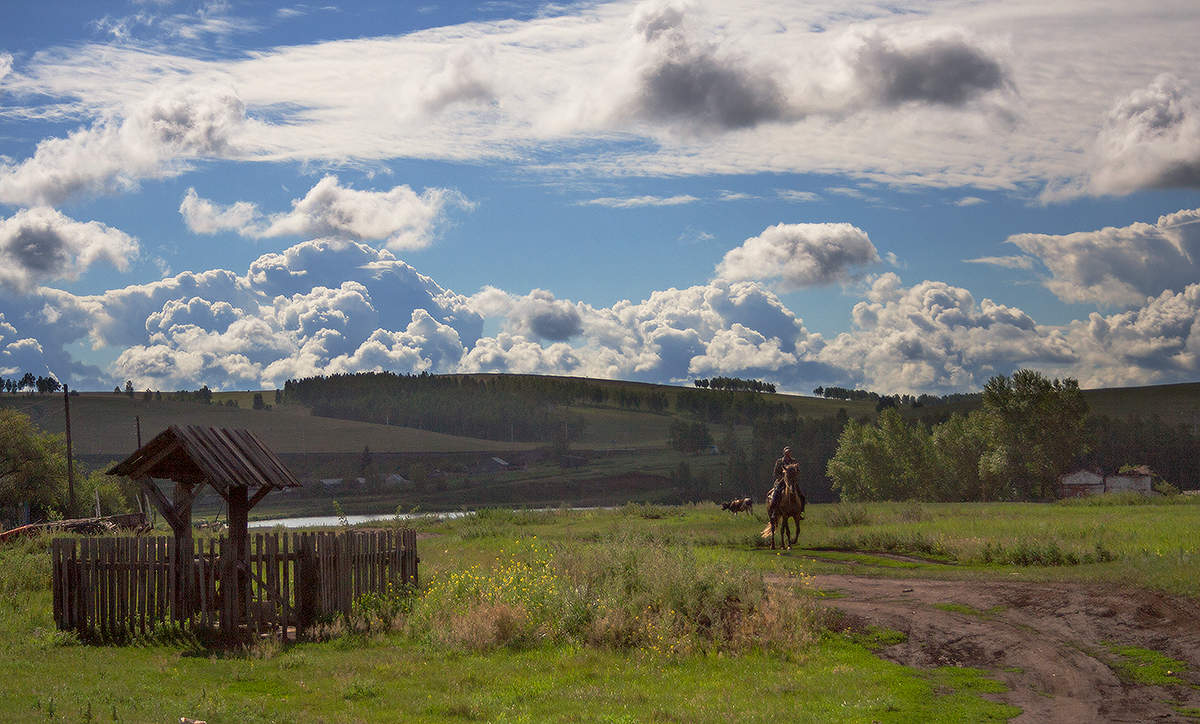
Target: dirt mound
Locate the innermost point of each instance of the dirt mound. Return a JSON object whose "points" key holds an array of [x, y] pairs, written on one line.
{"points": [[1053, 644]]}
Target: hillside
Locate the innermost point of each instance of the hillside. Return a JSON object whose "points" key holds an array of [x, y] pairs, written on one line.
{"points": [[103, 424], [1177, 404]]}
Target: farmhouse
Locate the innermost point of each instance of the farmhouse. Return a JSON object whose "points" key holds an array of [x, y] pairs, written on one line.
{"points": [[1090, 482]]}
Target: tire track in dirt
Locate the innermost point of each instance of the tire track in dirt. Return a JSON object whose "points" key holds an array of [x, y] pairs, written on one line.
{"points": [[1049, 642]]}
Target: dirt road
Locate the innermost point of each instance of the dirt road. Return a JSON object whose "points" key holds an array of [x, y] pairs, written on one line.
{"points": [[1051, 643]]}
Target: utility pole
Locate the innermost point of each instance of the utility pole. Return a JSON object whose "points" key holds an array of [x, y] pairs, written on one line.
{"points": [[137, 420], [70, 460]]}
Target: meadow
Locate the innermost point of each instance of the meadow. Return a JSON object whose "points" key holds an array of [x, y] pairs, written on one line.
{"points": [[640, 613]]}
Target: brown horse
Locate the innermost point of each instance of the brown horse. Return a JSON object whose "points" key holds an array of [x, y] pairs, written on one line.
{"points": [[788, 504]]}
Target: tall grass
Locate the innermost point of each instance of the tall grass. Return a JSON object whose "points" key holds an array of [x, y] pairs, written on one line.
{"points": [[624, 595]]}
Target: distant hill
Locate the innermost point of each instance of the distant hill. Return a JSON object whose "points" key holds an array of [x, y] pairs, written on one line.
{"points": [[104, 424], [1178, 404]]}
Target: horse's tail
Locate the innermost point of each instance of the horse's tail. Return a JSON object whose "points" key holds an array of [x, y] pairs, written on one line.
{"points": [[767, 532]]}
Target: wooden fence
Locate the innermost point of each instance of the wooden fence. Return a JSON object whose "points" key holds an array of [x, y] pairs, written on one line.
{"points": [[118, 587]]}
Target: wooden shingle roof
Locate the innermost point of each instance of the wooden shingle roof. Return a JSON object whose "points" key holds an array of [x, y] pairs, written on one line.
{"points": [[222, 457]]}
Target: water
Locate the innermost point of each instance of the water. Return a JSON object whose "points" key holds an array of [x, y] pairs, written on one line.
{"points": [[328, 521]]}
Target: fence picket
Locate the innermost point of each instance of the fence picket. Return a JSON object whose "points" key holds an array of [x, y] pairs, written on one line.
{"points": [[114, 587]]}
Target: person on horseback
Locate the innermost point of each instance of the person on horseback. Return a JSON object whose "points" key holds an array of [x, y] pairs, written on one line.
{"points": [[787, 459]]}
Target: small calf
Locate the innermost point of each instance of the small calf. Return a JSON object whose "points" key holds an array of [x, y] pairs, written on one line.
{"points": [[739, 505]]}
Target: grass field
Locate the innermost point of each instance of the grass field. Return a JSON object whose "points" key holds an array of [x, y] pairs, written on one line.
{"points": [[430, 669]]}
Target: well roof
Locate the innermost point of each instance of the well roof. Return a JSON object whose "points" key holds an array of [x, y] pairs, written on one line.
{"points": [[222, 457]]}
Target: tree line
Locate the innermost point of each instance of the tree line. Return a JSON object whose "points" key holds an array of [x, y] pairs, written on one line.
{"points": [[736, 384], [883, 401], [39, 384], [1028, 431]]}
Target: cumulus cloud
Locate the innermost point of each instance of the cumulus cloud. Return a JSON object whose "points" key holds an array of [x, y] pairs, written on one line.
{"points": [[1150, 139], [801, 255], [329, 306], [6, 62], [630, 202], [935, 337], [319, 307], [1158, 342], [400, 217], [18, 354], [42, 244], [1119, 265], [538, 314], [205, 217], [517, 355], [154, 139]]}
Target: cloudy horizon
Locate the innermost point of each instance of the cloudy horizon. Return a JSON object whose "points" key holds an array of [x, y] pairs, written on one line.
{"points": [[905, 199]]}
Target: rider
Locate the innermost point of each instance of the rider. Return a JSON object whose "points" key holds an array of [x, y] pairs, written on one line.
{"points": [[787, 459]]}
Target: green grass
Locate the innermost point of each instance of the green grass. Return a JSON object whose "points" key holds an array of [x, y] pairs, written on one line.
{"points": [[1146, 667], [568, 639], [1153, 544], [602, 601]]}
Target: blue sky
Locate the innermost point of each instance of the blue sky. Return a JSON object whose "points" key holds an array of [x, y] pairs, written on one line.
{"points": [[906, 197]]}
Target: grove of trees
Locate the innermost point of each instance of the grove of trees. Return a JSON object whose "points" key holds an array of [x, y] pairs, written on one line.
{"points": [[1028, 431], [33, 471]]}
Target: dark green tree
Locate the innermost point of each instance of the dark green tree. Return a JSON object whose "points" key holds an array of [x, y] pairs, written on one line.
{"points": [[1035, 431]]}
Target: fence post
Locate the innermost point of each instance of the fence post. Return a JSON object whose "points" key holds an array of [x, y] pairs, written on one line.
{"points": [[307, 583]]}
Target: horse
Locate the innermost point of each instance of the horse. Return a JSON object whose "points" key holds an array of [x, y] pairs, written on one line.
{"points": [[788, 504]]}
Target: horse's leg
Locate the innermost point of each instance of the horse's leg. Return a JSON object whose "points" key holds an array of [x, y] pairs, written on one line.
{"points": [[783, 533], [796, 537]]}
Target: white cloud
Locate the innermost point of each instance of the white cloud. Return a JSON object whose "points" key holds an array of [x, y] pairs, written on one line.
{"points": [[6, 62], [796, 195], [319, 307], [801, 255], [42, 244], [630, 202], [400, 216], [1158, 342], [330, 306], [892, 97], [1151, 139], [727, 195], [154, 139], [537, 315], [969, 201], [936, 337], [1008, 262], [1119, 265], [205, 217]]}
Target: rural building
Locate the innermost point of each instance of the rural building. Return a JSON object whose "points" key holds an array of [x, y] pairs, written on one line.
{"points": [[1089, 482]]}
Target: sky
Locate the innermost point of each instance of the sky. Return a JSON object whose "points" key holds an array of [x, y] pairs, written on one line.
{"points": [[907, 197]]}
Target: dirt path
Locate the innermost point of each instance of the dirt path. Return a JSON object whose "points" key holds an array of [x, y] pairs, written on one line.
{"points": [[1049, 642]]}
